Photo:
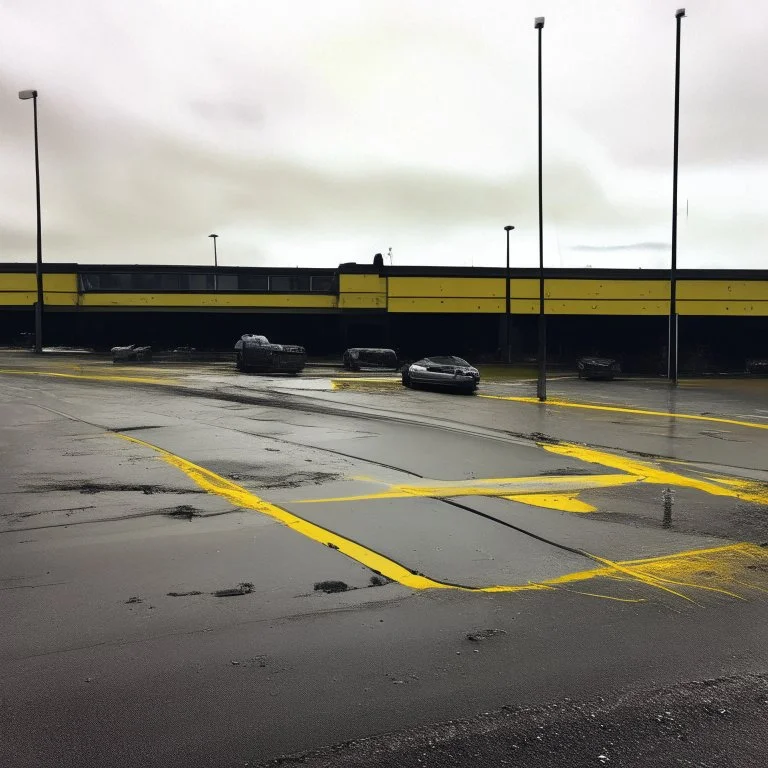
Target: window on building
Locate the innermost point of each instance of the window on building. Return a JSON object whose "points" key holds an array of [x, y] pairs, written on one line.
{"points": [[199, 282], [322, 283], [227, 282], [106, 281], [253, 282], [289, 284]]}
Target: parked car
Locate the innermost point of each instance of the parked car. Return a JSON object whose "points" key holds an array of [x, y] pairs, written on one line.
{"points": [[605, 368], [757, 366], [131, 354], [442, 371], [356, 358], [255, 353]]}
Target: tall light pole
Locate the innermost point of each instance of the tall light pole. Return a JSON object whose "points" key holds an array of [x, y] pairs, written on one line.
{"points": [[508, 307], [541, 384], [672, 345], [24, 95], [215, 264]]}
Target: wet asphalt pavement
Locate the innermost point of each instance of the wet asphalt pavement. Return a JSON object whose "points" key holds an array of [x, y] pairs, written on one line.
{"points": [[612, 549]]}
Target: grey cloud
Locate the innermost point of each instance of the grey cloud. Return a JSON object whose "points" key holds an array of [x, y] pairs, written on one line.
{"points": [[155, 188]]}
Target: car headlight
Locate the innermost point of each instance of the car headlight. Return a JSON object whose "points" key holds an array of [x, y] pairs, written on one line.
{"points": [[417, 368]]}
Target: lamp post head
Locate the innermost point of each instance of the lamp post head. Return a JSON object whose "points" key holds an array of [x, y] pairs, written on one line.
{"points": [[23, 95], [538, 22], [214, 236], [679, 13], [508, 228]]}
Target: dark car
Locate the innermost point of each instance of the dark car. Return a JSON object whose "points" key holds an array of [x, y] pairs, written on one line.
{"points": [[605, 368], [445, 371], [255, 353], [356, 358], [131, 354], [757, 366]]}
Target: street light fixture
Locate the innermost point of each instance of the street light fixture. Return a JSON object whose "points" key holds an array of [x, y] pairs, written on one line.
{"points": [[508, 309], [215, 264], [24, 95], [541, 384], [672, 348]]}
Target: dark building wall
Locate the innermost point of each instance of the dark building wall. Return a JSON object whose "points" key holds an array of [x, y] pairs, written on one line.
{"points": [[639, 342]]}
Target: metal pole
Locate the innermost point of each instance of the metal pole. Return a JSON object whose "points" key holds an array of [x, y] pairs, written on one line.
{"points": [[672, 345], [215, 263], [39, 267], [541, 386], [508, 304]]}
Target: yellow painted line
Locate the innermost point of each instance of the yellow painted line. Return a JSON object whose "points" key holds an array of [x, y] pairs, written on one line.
{"points": [[88, 376], [241, 497], [637, 570], [507, 486], [649, 472], [621, 409], [563, 502], [552, 491]]}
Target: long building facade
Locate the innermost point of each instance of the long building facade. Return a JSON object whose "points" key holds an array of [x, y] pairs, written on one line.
{"points": [[723, 314]]}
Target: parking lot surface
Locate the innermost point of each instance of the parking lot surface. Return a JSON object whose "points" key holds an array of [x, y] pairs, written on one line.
{"points": [[201, 567]]}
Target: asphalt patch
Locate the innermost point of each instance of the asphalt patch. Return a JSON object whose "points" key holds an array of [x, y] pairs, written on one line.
{"points": [[295, 479], [484, 634], [256, 661], [329, 587], [540, 437], [566, 472], [92, 488], [136, 429], [182, 512], [243, 588], [269, 476], [705, 724]]}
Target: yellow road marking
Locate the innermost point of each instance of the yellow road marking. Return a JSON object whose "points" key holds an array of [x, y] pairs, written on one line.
{"points": [[89, 377], [552, 491], [649, 473], [504, 486], [654, 572], [241, 497], [622, 409], [563, 502]]}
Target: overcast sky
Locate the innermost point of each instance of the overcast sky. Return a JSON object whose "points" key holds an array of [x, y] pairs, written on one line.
{"points": [[311, 133]]}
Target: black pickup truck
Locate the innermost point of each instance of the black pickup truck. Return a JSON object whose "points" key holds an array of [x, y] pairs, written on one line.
{"points": [[255, 354], [605, 368]]}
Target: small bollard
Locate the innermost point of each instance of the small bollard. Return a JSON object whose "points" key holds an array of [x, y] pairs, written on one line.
{"points": [[668, 497]]}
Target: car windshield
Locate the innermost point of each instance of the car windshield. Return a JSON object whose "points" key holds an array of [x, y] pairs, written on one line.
{"points": [[446, 360]]}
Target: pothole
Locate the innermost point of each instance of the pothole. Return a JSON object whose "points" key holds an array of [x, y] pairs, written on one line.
{"points": [[182, 512], [329, 587]]}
